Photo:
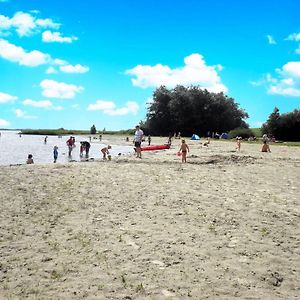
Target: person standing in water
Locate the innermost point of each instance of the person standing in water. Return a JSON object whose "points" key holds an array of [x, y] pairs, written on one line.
{"points": [[55, 153], [71, 144]]}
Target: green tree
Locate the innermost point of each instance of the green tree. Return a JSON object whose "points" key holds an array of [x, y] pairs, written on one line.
{"points": [[283, 126], [190, 110]]}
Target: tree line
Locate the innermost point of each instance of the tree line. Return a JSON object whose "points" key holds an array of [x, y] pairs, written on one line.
{"points": [[192, 110], [283, 126]]}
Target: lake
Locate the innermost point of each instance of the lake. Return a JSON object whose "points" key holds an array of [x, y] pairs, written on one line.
{"points": [[15, 149]]}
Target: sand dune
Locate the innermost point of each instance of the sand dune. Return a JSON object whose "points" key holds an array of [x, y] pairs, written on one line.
{"points": [[223, 226]]}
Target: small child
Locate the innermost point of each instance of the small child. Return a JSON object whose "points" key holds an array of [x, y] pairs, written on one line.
{"points": [[184, 148], [55, 153], [105, 151], [265, 147], [29, 159]]}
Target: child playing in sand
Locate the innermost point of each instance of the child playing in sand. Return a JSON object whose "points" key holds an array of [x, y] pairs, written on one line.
{"points": [[29, 159], [265, 147], [105, 151], [184, 148], [238, 143]]}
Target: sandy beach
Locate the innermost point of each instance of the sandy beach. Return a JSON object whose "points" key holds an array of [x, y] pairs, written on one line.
{"points": [[225, 225]]}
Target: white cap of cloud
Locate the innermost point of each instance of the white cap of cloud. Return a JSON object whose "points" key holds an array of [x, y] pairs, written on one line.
{"points": [[52, 37], [6, 98], [54, 89], [74, 69], [18, 54], [110, 108], [194, 72]]}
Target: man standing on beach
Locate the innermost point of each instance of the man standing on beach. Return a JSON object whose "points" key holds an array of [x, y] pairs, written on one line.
{"points": [[138, 137]]}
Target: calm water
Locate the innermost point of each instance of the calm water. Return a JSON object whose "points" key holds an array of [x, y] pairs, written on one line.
{"points": [[15, 149]]}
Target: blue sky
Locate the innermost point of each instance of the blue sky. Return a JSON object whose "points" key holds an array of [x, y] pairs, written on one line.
{"points": [[73, 64]]}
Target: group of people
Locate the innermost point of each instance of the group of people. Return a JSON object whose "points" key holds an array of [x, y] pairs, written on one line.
{"points": [[138, 138]]}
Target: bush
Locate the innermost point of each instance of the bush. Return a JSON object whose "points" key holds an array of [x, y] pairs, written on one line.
{"points": [[242, 132]]}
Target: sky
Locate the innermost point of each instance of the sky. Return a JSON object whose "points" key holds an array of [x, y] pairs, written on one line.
{"points": [[71, 64]]}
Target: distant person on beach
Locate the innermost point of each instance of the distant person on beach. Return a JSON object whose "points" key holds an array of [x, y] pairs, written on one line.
{"points": [[149, 140], [100, 137], [45, 139], [138, 137], [29, 159], [184, 148], [238, 143], [71, 144], [55, 153], [265, 147], [105, 151], [127, 139]]}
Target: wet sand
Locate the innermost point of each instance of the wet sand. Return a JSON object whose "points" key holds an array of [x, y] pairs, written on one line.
{"points": [[225, 225]]}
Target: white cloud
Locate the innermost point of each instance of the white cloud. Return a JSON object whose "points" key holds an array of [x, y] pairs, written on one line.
{"points": [[22, 114], [51, 70], [52, 37], [41, 104], [271, 40], [287, 82], [5, 98], [110, 108], [294, 37], [25, 24], [19, 55], [54, 89], [194, 72], [4, 123], [74, 69]]}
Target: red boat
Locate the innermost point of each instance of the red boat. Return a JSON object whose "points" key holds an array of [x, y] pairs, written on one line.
{"points": [[155, 147]]}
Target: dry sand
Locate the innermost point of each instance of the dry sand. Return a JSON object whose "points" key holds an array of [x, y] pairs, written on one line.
{"points": [[223, 226]]}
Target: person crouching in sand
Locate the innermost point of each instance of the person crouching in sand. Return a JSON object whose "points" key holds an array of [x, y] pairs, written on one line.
{"points": [[265, 147], [105, 151], [184, 148]]}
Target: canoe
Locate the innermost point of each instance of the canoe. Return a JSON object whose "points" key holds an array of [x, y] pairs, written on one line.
{"points": [[155, 147]]}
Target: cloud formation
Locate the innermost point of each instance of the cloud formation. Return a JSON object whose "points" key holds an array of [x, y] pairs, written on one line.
{"points": [[296, 38], [19, 55], [271, 40], [110, 108], [4, 123], [74, 69], [55, 37], [23, 115], [194, 72], [41, 104], [54, 89], [287, 82], [25, 24], [6, 98]]}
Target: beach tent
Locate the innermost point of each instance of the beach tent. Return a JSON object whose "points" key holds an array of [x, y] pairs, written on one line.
{"points": [[195, 137], [224, 136]]}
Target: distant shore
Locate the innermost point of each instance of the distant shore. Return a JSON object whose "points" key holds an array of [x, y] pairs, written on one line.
{"points": [[224, 225]]}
